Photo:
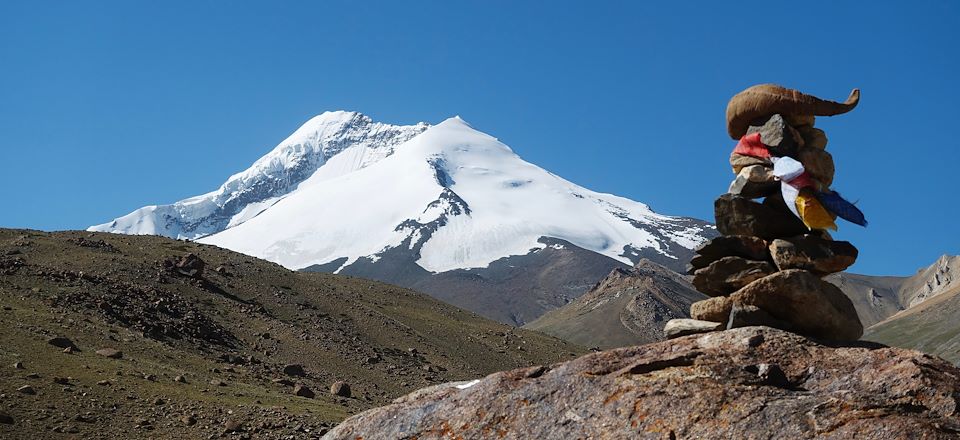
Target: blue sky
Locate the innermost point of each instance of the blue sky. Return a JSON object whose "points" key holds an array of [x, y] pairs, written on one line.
{"points": [[109, 106]]}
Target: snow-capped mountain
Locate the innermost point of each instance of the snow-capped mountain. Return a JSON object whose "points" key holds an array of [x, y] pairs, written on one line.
{"points": [[273, 176], [417, 204]]}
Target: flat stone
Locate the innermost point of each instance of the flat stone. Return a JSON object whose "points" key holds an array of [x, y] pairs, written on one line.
{"points": [[813, 137], [737, 215], [5, 418], [777, 135], [751, 248], [27, 389], [818, 163], [726, 275], [716, 309], [676, 328], [111, 353], [282, 381], [754, 181], [813, 253], [810, 305], [739, 161]]}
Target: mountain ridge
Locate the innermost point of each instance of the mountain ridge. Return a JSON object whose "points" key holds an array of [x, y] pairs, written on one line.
{"points": [[406, 204]]}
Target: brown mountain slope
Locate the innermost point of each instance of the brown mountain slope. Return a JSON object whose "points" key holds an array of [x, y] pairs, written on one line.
{"points": [[921, 311], [933, 326], [880, 297], [876, 298], [628, 307], [228, 332]]}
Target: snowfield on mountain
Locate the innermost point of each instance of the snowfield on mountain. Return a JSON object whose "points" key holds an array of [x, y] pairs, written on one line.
{"points": [[343, 187]]}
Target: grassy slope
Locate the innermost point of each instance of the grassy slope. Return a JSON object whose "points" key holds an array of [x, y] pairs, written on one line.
{"points": [[931, 327], [117, 294]]}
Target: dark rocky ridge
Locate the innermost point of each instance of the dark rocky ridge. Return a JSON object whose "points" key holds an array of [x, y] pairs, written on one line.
{"points": [[628, 307], [750, 382]]}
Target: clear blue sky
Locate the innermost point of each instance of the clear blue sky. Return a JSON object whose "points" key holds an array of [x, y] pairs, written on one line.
{"points": [[109, 106]]}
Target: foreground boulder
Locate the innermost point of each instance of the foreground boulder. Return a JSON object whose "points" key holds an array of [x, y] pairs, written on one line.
{"points": [[753, 382]]}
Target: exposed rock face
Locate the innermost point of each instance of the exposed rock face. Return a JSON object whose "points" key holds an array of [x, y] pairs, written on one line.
{"points": [[740, 216], [813, 253], [813, 306], [752, 382], [112, 353]]}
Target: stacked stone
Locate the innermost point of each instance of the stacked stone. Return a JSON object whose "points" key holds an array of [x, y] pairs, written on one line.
{"points": [[767, 266]]}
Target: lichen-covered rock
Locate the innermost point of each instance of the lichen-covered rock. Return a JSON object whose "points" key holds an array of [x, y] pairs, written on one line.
{"points": [[726, 275], [812, 306], [813, 253], [753, 382]]}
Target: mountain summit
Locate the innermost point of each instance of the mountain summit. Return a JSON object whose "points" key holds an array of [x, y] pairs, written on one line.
{"points": [[404, 203]]}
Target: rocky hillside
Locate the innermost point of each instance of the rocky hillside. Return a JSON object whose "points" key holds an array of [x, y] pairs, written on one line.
{"points": [[916, 312], [751, 382], [878, 298], [931, 326], [628, 307], [118, 336]]}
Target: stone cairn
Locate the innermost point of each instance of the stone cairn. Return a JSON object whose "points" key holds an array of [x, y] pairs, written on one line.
{"points": [[767, 266]]}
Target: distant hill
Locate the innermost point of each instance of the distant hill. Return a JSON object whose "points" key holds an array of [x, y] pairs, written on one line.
{"points": [[921, 311], [239, 332], [628, 307]]}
